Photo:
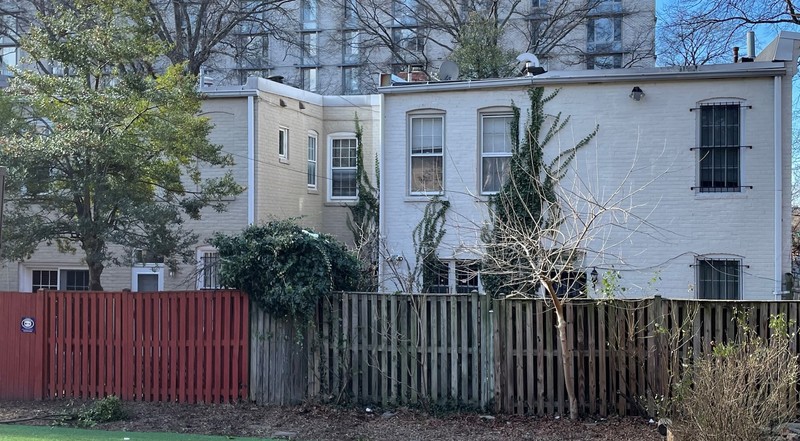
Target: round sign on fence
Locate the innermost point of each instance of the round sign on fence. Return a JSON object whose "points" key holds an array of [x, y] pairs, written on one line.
{"points": [[27, 324]]}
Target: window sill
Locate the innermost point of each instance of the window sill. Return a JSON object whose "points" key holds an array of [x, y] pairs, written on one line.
{"points": [[424, 198], [283, 160], [341, 203], [313, 191], [712, 195]]}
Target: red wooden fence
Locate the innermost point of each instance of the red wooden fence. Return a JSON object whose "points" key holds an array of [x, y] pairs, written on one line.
{"points": [[164, 346], [21, 353]]}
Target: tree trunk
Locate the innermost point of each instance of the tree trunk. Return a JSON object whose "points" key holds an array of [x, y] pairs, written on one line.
{"points": [[94, 249], [95, 271], [566, 358]]}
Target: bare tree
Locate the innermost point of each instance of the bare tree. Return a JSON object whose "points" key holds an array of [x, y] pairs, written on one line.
{"points": [[544, 232], [683, 42]]}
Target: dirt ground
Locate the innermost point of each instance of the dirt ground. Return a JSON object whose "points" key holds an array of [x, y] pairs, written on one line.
{"points": [[313, 422]]}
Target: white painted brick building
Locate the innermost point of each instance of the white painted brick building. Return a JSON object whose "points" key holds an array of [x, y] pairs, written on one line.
{"points": [[702, 159]]}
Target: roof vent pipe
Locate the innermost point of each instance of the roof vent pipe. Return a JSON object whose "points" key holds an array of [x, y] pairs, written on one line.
{"points": [[736, 54], [751, 44]]}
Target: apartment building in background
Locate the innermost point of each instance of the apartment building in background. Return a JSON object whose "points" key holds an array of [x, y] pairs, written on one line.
{"points": [[339, 47]]}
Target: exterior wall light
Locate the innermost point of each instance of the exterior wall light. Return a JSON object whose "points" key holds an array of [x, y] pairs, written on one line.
{"points": [[637, 93]]}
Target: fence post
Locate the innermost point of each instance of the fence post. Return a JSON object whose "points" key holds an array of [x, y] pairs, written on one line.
{"points": [[40, 364], [658, 363]]}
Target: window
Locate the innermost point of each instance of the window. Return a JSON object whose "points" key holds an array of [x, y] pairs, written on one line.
{"points": [[309, 14], [207, 268], [309, 79], [62, 279], [450, 276], [409, 39], [405, 11], [283, 143], [539, 3], [719, 279], [495, 151], [427, 151], [612, 61], [350, 13], [8, 59], [607, 6], [147, 277], [344, 157], [253, 51], [570, 284], [720, 137], [44, 279], [604, 34], [350, 84], [310, 49], [350, 42], [312, 160]]}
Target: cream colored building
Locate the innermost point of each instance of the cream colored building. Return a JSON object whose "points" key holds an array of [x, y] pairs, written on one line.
{"points": [[282, 140]]}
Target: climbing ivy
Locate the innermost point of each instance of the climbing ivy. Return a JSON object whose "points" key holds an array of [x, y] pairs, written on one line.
{"points": [[284, 268], [528, 197], [427, 236], [364, 218]]}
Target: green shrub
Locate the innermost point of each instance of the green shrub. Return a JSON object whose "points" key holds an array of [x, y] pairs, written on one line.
{"points": [[284, 268], [101, 411]]}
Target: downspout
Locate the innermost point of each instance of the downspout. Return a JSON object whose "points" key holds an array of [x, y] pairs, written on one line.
{"points": [[381, 195], [251, 163], [778, 139]]}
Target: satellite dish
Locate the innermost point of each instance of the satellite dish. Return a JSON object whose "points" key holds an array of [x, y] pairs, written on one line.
{"points": [[527, 57], [448, 71]]}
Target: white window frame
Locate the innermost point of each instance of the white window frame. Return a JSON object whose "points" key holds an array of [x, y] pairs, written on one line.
{"points": [[283, 142], [26, 274], [199, 255], [147, 268], [312, 161], [331, 138], [412, 155], [484, 154]]}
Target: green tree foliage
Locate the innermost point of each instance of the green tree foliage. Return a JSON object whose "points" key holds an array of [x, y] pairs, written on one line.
{"points": [[112, 153], [478, 53], [285, 268], [527, 205]]}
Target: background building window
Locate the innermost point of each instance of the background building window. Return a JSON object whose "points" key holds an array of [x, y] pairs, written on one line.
{"points": [[310, 14], [350, 83], [312, 160], [719, 279], [450, 276], [405, 11], [310, 40], [350, 42], [344, 157], [495, 151], [408, 39], [309, 78], [604, 34], [720, 135], [283, 142], [612, 61], [62, 279], [8, 59], [427, 150]]}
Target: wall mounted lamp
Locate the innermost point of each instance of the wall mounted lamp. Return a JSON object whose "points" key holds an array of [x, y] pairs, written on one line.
{"points": [[637, 93]]}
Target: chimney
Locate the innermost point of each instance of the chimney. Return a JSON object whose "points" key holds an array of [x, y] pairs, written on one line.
{"points": [[736, 54], [751, 44]]}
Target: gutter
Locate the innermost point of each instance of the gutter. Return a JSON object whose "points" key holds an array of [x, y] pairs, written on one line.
{"points": [[251, 161]]}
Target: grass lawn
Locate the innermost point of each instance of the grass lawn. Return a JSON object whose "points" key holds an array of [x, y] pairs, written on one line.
{"points": [[39, 433]]}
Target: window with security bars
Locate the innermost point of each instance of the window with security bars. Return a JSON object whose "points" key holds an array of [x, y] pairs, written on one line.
{"points": [[719, 279], [209, 270], [719, 150]]}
